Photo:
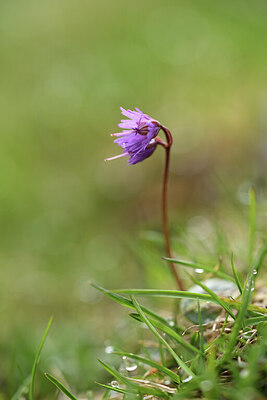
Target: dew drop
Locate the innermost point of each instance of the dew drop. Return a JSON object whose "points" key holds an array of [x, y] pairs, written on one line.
{"points": [[187, 379], [114, 383], [171, 322], [131, 368], [254, 272], [109, 349], [199, 270]]}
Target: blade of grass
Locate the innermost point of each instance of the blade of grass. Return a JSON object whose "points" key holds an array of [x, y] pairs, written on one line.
{"points": [[116, 389], [205, 268], [117, 375], [132, 384], [224, 325], [177, 294], [255, 320], [161, 352], [259, 259], [213, 295], [37, 356], [126, 302], [245, 300], [235, 274], [60, 386], [178, 360], [201, 331], [252, 223], [151, 363], [170, 332]]}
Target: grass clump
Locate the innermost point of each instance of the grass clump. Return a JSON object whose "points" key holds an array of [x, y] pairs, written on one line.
{"points": [[220, 358]]}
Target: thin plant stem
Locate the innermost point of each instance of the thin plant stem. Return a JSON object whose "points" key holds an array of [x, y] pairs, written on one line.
{"points": [[167, 147]]}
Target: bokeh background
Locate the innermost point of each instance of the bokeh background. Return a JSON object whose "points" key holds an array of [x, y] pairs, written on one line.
{"points": [[66, 217]]}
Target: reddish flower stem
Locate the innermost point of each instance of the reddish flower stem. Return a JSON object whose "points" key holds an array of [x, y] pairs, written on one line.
{"points": [[167, 147]]}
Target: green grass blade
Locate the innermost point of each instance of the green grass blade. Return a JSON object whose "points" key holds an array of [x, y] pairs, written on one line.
{"points": [[60, 386], [195, 266], [177, 294], [201, 331], [178, 360], [252, 223], [259, 259], [116, 389], [255, 320], [116, 374], [132, 384], [170, 332], [37, 356], [213, 295], [126, 302], [246, 298], [151, 363], [235, 274], [161, 352]]}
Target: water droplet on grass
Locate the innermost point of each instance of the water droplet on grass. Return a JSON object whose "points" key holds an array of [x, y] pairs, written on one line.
{"points": [[109, 349], [199, 270], [187, 379], [171, 322], [114, 383], [131, 368]]}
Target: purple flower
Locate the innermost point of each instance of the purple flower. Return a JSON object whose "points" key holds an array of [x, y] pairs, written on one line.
{"points": [[137, 137]]}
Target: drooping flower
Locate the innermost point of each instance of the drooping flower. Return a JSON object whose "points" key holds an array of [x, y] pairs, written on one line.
{"points": [[137, 138]]}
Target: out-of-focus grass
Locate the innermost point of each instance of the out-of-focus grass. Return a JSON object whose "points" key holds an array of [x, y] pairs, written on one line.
{"points": [[66, 67]]}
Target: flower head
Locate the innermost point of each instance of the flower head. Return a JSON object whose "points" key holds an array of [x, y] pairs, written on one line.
{"points": [[137, 137]]}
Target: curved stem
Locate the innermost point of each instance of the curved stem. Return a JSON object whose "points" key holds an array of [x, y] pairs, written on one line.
{"points": [[167, 147]]}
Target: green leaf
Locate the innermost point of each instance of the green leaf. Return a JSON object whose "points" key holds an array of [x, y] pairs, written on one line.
{"points": [[178, 360], [60, 386], [235, 274], [37, 356], [213, 295], [152, 364], [205, 268]]}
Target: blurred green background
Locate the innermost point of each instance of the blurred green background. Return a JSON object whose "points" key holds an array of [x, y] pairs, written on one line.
{"points": [[66, 217]]}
